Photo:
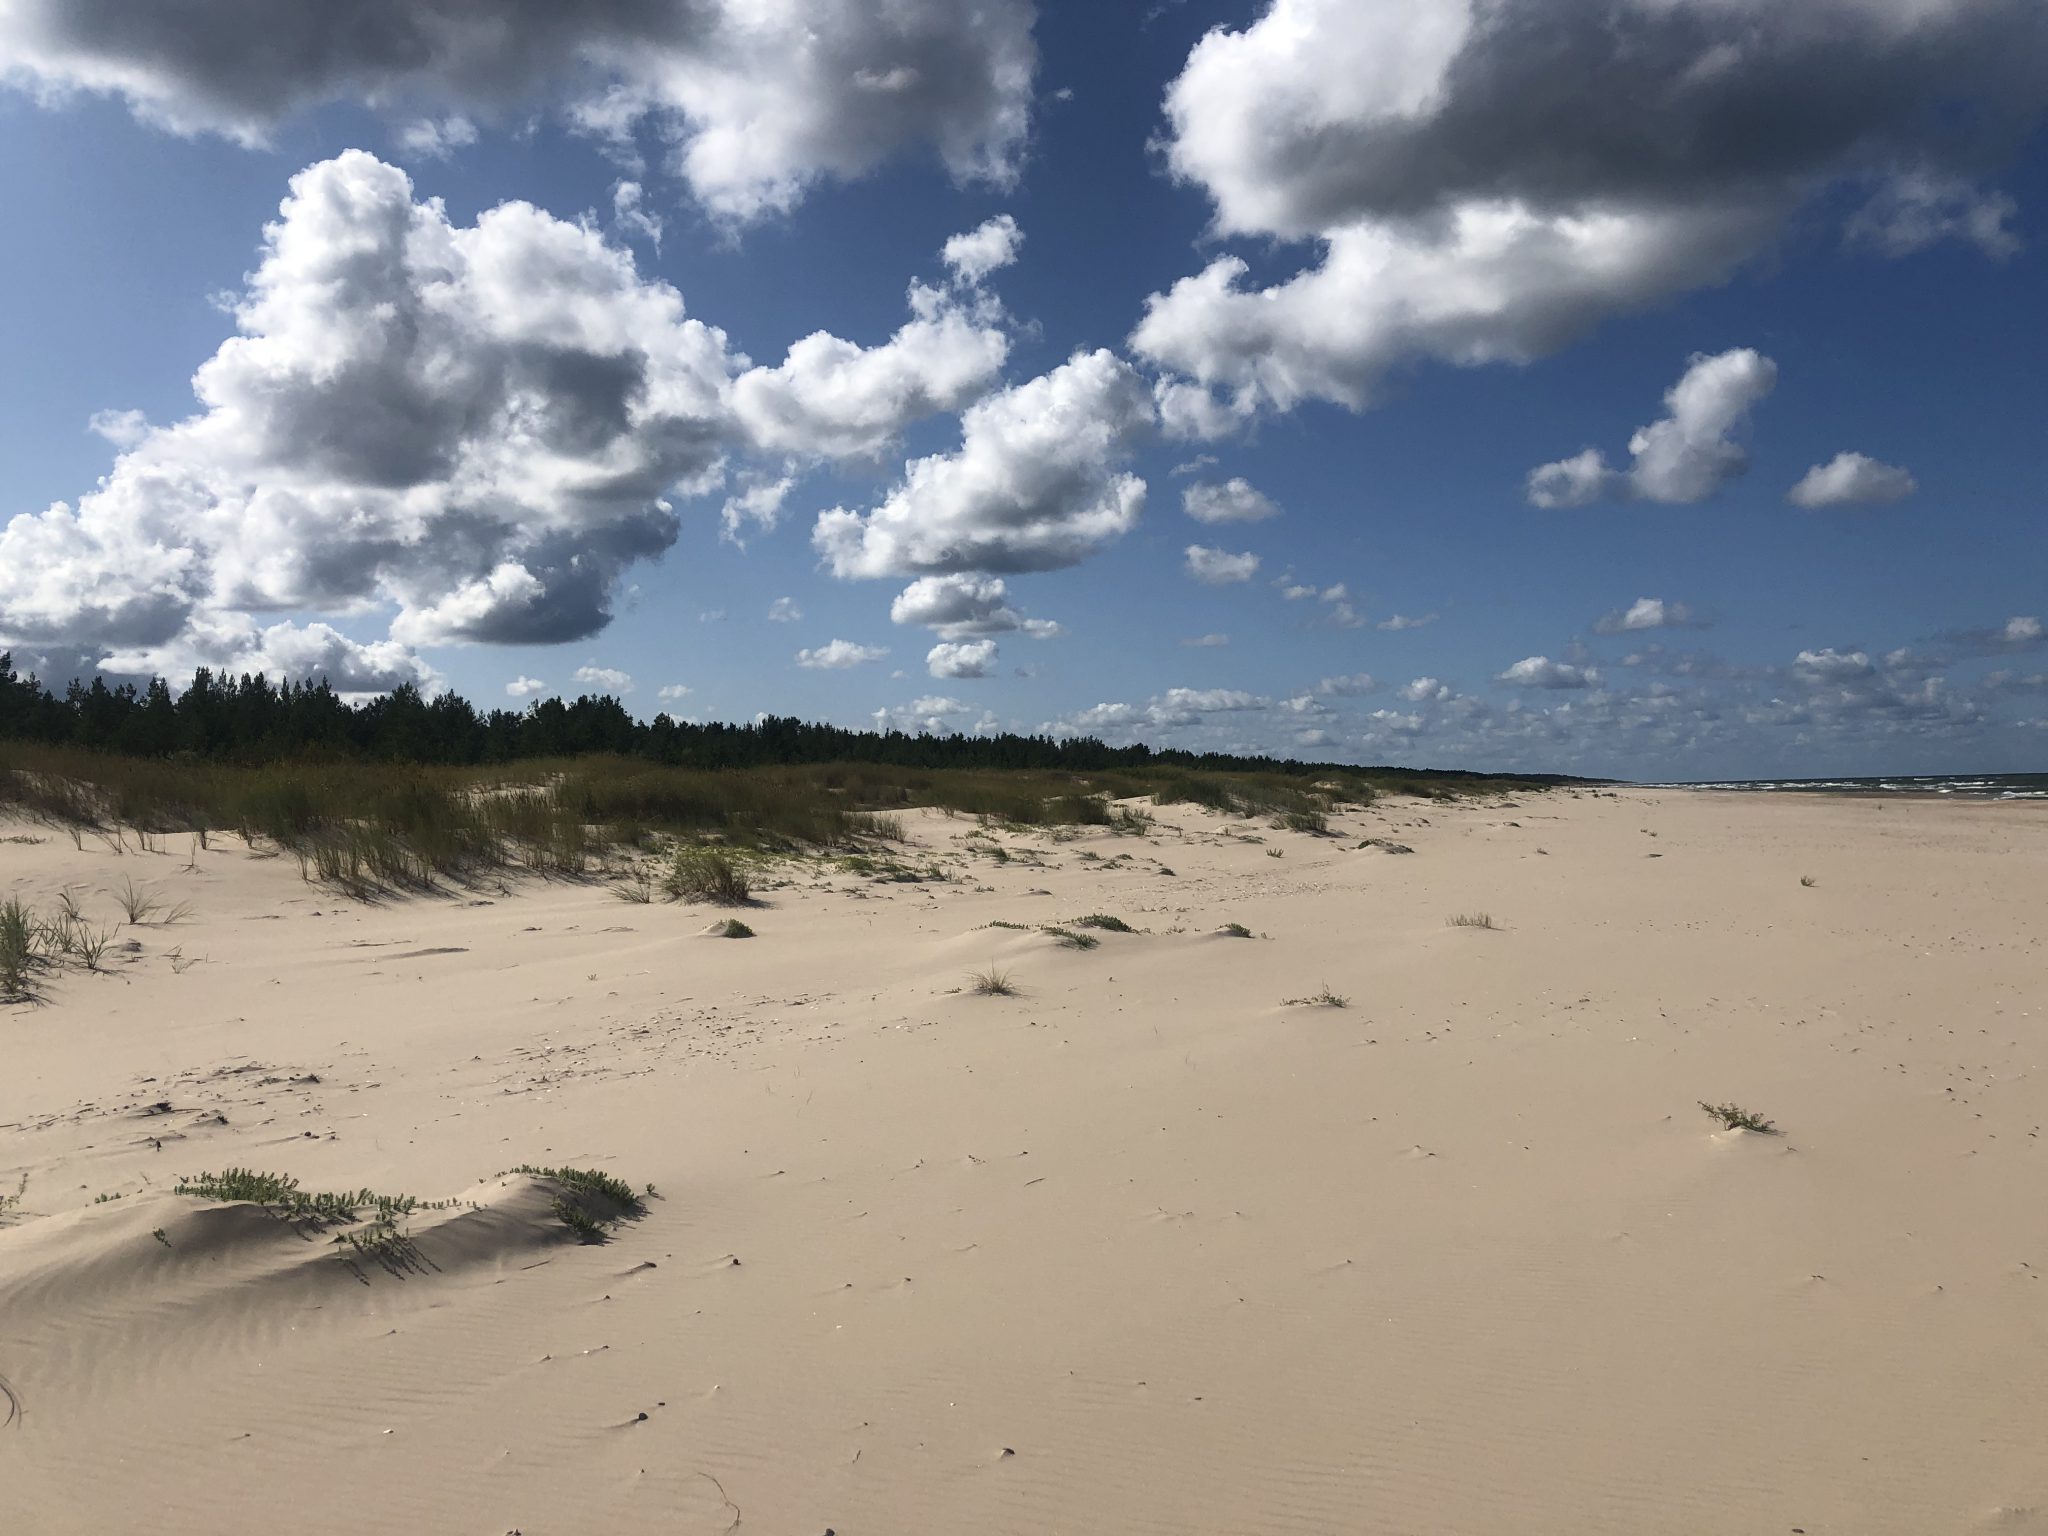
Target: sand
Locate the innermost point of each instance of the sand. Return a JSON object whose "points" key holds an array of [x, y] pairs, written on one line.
{"points": [[1144, 1248]]}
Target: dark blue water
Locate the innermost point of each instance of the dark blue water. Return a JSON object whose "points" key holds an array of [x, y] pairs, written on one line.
{"points": [[1974, 786]]}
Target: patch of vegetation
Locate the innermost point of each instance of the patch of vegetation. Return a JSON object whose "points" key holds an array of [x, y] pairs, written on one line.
{"points": [[9, 1204], [731, 928], [991, 983], [1735, 1118], [1073, 940], [1471, 920], [1276, 853], [280, 1193], [1808, 881], [1105, 922], [1235, 931], [1323, 999], [591, 1202], [1315, 822], [705, 874], [20, 950], [636, 888]]}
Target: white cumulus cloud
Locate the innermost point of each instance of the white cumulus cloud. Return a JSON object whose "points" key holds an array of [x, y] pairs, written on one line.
{"points": [[835, 655], [1232, 501], [961, 658], [523, 687], [1218, 567], [610, 679], [1542, 672], [1036, 484], [1849, 479], [1687, 455], [989, 247], [1645, 613]]}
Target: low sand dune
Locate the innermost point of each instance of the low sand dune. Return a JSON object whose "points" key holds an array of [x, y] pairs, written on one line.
{"points": [[1143, 1248]]}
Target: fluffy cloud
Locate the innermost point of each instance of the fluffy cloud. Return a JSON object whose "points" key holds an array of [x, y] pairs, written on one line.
{"points": [[1232, 501], [1427, 690], [784, 611], [961, 606], [1645, 613], [525, 687], [833, 398], [757, 102], [2021, 631], [961, 658], [987, 248], [234, 643], [474, 427], [1175, 709], [673, 693], [1347, 687], [1686, 456], [1219, 567], [835, 655], [1542, 672], [1401, 621], [1850, 478], [935, 715], [1831, 666], [1035, 485], [1486, 181], [609, 679]]}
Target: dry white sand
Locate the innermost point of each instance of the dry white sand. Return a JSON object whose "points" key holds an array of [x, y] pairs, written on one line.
{"points": [[1140, 1250]]}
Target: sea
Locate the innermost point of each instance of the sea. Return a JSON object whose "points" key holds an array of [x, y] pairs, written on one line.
{"points": [[1972, 786]]}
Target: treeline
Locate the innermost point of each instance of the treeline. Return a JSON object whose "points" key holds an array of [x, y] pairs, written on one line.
{"points": [[252, 720]]}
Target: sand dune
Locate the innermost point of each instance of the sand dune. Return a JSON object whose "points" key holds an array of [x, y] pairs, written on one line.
{"points": [[1144, 1248]]}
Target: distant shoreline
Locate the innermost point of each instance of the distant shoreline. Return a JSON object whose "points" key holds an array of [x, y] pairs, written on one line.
{"points": [[1965, 786]]}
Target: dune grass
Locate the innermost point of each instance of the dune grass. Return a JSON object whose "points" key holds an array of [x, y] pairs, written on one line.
{"points": [[1070, 939], [1234, 931], [1735, 1118], [369, 828], [731, 928], [1471, 920], [992, 982], [707, 875]]}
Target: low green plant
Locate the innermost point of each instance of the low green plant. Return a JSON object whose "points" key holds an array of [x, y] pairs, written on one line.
{"points": [[1105, 922], [1235, 931], [1315, 822], [705, 874], [1276, 853], [637, 888], [1808, 881], [1071, 939], [12, 1203], [731, 928], [589, 1201], [1735, 1118], [1471, 920]]}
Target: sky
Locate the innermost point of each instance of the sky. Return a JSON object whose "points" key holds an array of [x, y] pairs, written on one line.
{"points": [[1645, 388]]}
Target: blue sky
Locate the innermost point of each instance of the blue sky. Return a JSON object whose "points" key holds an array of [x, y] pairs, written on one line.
{"points": [[1377, 273]]}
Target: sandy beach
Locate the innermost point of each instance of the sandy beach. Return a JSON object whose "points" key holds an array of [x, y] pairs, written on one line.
{"points": [[1146, 1247]]}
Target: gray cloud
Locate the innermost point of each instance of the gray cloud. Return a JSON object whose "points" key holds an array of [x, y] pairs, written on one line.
{"points": [[756, 103]]}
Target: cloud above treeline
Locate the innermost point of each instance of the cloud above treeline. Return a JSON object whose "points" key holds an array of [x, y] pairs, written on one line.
{"points": [[477, 427]]}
